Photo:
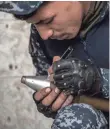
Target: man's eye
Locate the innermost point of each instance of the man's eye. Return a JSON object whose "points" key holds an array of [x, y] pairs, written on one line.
{"points": [[48, 21]]}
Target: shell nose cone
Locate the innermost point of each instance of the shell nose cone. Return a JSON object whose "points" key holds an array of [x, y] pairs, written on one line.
{"points": [[23, 79]]}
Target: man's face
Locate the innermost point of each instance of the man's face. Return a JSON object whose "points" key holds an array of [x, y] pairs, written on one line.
{"points": [[58, 20]]}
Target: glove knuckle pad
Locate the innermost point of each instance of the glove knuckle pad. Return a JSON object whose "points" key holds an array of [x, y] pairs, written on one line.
{"points": [[74, 73]]}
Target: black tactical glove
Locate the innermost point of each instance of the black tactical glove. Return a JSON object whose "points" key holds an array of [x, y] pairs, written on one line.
{"points": [[46, 110], [74, 75]]}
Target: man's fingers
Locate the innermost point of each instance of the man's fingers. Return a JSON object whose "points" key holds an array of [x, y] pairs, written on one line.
{"points": [[42, 93], [68, 101], [59, 101], [50, 71], [51, 78], [56, 58], [51, 97]]}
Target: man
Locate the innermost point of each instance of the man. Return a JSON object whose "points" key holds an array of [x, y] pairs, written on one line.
{"points": [[56, 26]]}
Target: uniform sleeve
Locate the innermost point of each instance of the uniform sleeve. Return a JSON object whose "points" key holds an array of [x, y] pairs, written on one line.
{"points": [[38, 57], [105, 81]]}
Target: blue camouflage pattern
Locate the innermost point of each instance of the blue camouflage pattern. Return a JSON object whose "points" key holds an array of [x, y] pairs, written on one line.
{"points": [[79, 116], [105, 86], [83, 116], [20, 7], [76, 116]]}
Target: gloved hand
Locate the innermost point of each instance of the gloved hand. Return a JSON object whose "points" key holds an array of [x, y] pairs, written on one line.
{"points": [[48, 103], [45, 109], [50, 100], [74, 75]]}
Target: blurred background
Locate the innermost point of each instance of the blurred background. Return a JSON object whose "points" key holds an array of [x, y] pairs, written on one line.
{"points": [[17, 108]]}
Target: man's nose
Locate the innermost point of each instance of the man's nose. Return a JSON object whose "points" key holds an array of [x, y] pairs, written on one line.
{"points": [[44, 31]]}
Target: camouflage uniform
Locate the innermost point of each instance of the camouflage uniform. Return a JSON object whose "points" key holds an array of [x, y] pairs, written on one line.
{"points": [[79, 116], [76, 116], [83, 116]]}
